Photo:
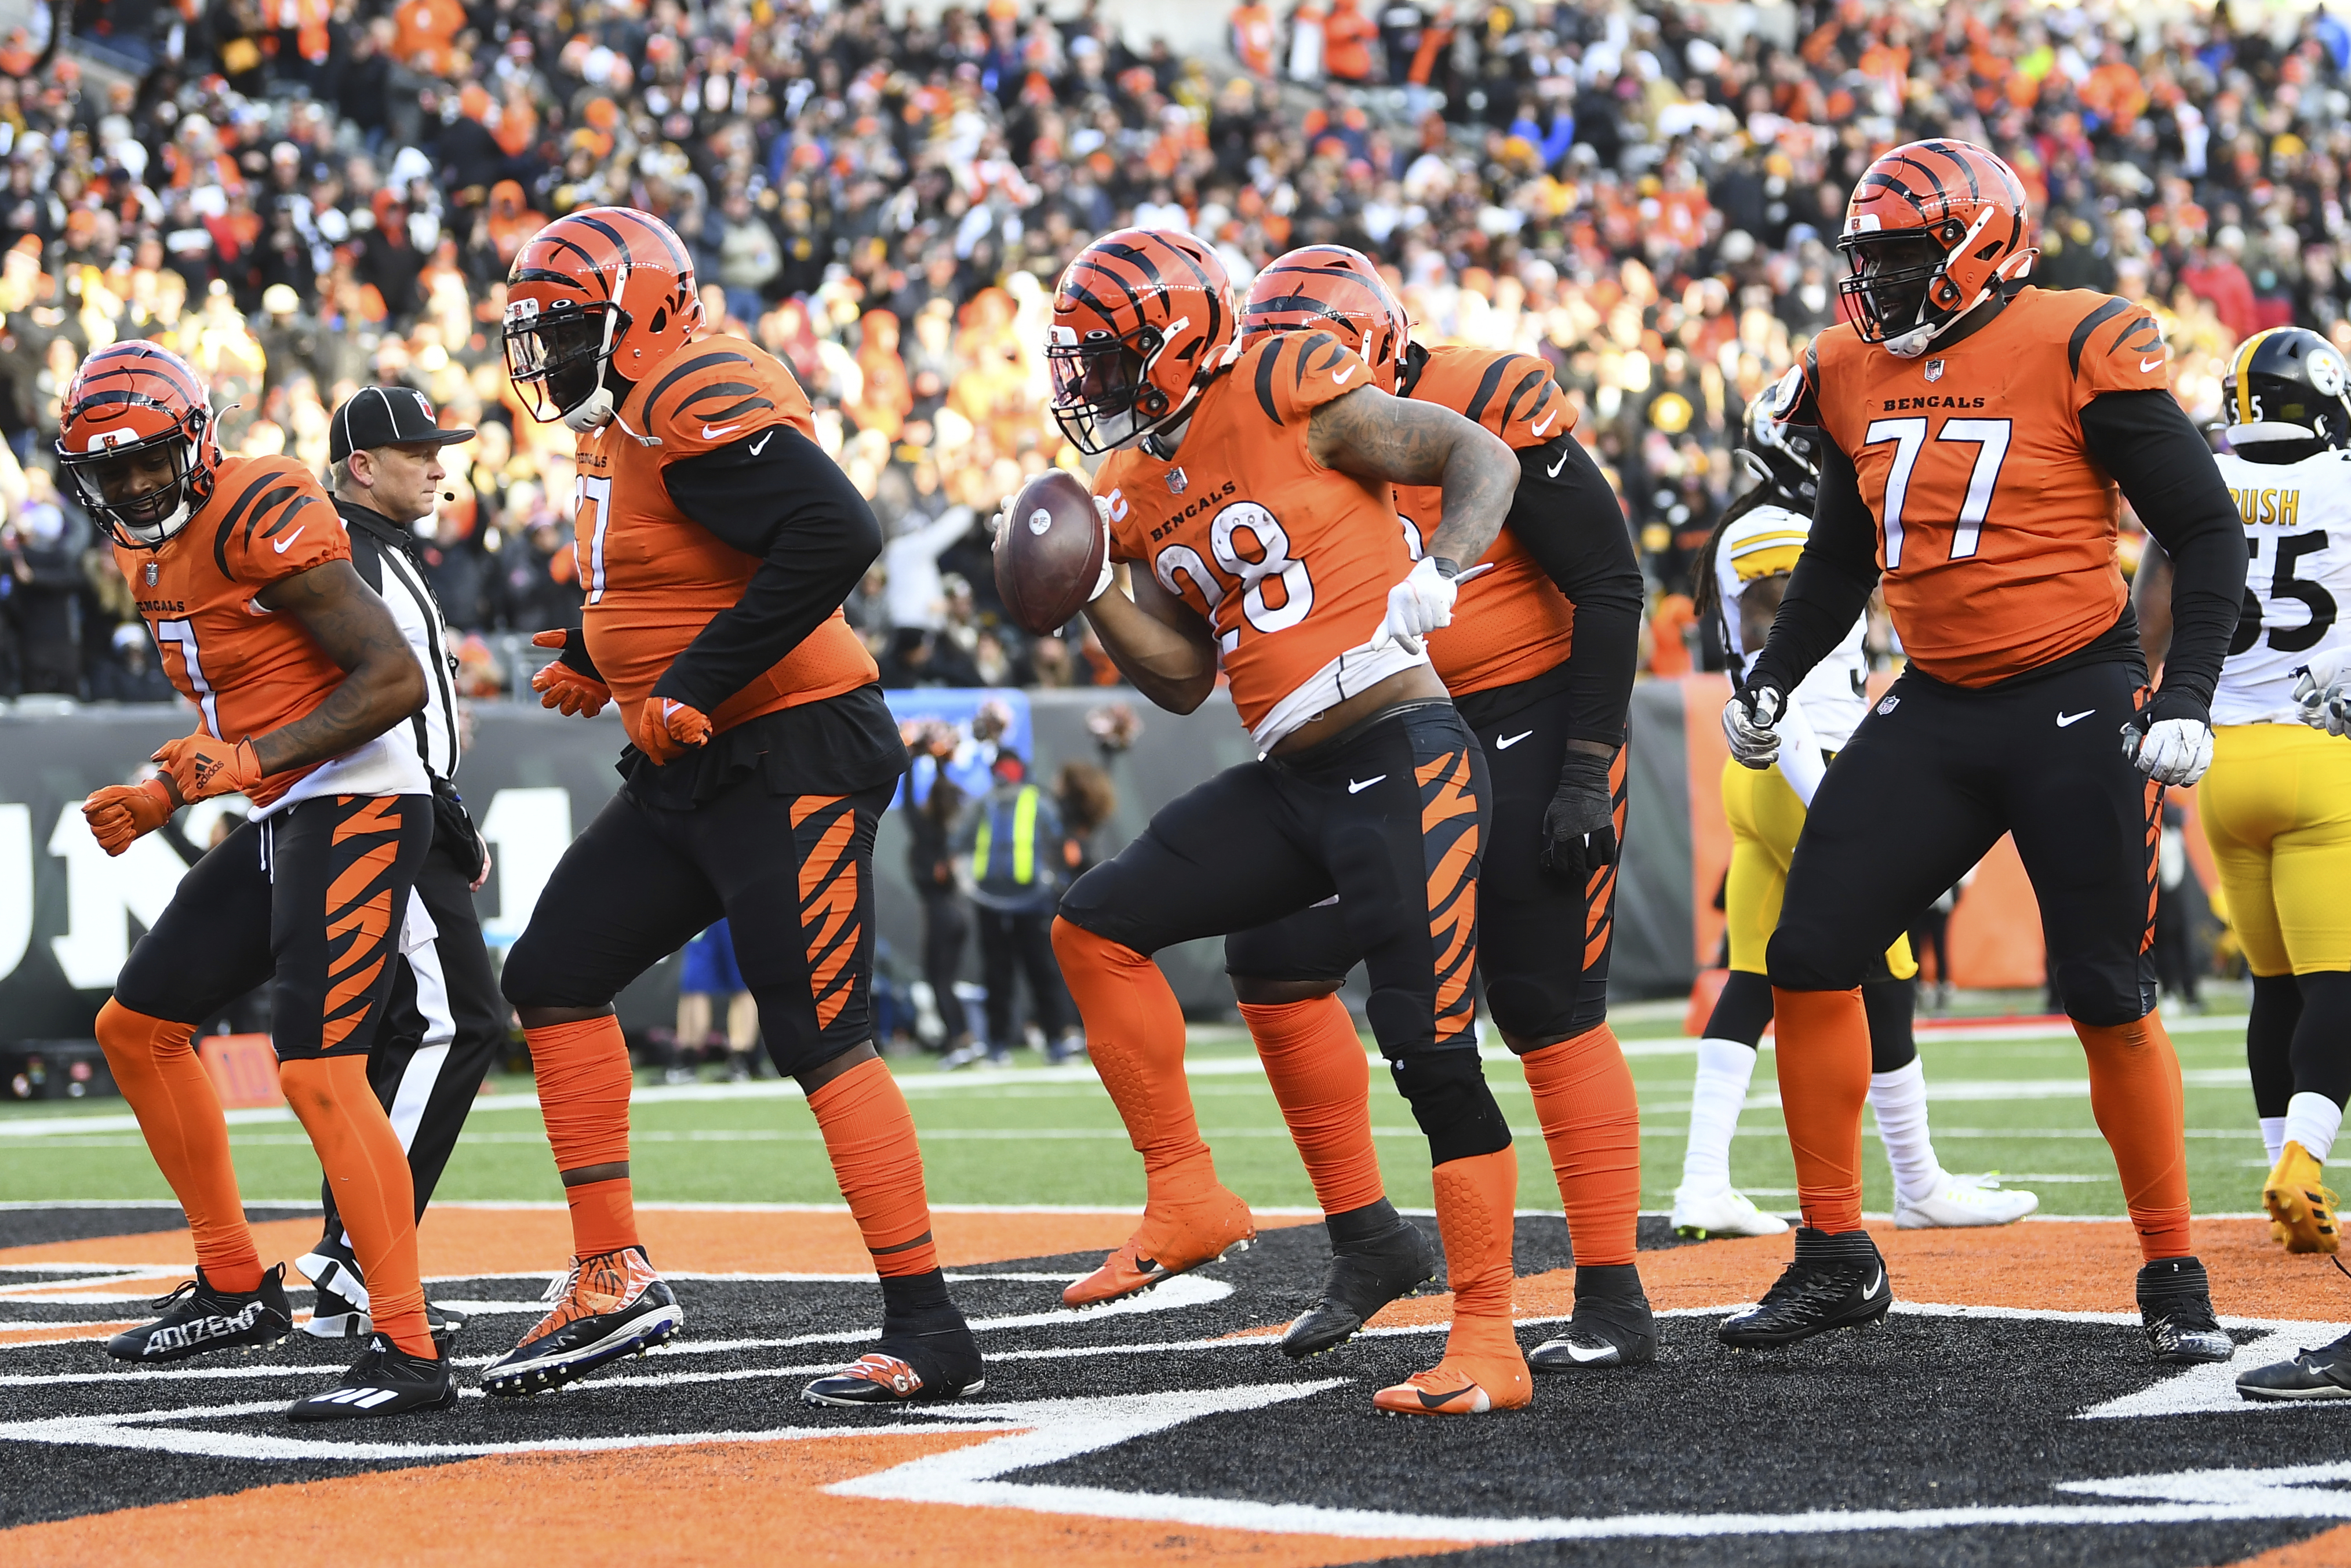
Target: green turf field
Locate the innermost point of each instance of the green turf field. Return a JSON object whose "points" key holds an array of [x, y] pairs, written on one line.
{"points": [[2019, 1106]]}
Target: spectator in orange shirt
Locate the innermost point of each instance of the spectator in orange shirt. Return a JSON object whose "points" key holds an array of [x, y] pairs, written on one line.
{"points": [[427, 28], [1346, 43], [1254, 35]]}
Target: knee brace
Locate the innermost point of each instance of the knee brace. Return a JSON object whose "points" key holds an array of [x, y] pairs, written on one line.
{"points": [[1809, 956], [1449, 1098]]}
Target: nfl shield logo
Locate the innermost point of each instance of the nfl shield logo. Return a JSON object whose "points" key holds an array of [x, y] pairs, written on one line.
{"points": [[1889, 705], [151, 572], [1934, 370], [1176, 481]]}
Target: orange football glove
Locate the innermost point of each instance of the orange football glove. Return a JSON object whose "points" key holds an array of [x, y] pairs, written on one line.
{"points": [[122, 812], [560, 687], [667, 729], [201, 767]]}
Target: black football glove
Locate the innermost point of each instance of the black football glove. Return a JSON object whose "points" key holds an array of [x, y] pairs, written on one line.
{"points": [[1580, 824]]}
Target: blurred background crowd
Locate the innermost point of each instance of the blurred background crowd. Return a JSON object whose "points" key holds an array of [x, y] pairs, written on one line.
{"points": [[304, 196]]}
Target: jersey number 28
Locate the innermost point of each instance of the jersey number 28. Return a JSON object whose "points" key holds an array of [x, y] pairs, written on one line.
{"points": [[2283, 584]]}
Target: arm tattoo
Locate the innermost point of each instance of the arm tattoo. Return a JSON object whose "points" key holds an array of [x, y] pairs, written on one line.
{"points": [[1372, 435], [383, 684]]}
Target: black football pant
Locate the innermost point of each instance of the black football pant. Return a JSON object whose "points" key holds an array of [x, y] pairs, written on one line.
{"points": [[1391, 817], [308, 900], [1020, 945], [443, 1027], [793, 874], [1543, 939], [1929, 783]]}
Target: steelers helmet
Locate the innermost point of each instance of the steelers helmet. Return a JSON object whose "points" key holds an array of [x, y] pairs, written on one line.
{"points": [[2285, 387], [1786, 457]]}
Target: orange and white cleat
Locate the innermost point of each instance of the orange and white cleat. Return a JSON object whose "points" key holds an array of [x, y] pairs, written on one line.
{"points": [[1174, 1238], [1460, 1385], [607, 1306]]}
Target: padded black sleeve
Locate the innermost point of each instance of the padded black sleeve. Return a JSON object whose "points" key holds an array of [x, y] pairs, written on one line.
{"points": [[1569, 520], [1832, 585], [2147, 442], [775, 495]]}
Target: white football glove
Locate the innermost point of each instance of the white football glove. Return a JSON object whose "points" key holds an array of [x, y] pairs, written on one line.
{"points": [[2322, 690], [2170, 751], [1418, 605], [1749, 721]]}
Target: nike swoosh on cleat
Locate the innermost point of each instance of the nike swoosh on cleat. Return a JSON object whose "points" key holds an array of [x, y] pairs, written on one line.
{"points": [[1875, 1286], [2064, 718], [1506, 745], [710, 434], [761, 443], [1355, 789], [1586, 1357], [1439, 1401], [1340, 378], [280, 546]]}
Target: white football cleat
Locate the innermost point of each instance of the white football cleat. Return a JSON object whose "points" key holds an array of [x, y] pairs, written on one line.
{"points": [[1964, 1200], [1725, 1213]]}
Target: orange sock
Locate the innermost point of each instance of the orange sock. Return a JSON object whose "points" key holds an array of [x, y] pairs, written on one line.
{"points": [[180, 1114], [1476, 1199], [2136, 1095], [368, 1170], [870, 1136], [1592, 1123], [583, 1097], [1823, 1083], [1134, 1036], [1322, 1080]]}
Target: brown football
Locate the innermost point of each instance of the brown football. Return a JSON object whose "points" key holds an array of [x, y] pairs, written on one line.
{"points": [[1049, 554]]}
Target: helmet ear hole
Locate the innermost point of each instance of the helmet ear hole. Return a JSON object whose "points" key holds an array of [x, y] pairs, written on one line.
{"points": [[660, 321]]}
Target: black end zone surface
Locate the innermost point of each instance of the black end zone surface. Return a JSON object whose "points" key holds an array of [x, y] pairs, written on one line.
{"points": [[1924, 1413]]}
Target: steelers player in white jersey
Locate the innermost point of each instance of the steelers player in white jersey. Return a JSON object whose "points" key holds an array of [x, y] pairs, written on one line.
{"points": [[2276, 806], [1744, 570]]}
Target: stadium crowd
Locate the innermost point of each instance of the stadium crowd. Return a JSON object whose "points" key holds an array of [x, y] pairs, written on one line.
{"points": [[305, 197]]}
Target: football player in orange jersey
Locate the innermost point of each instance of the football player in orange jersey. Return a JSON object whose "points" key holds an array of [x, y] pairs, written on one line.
{"points": [[241, 570], [717, 542], [1975, 429], [1540, 659], [1253, 487]]}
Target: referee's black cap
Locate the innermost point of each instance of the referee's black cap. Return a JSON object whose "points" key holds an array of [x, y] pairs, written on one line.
{"points": [[386, 417]]}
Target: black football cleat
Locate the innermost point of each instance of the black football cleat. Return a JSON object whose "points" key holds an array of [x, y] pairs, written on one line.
{"points": [[609, 1305], [922, 1358], [2321, 1374], [1836, 1281], [1613, 1325], [2175, 1307], [200, 1318], [338, 1303], [385, 1381], [1377, 1256]]}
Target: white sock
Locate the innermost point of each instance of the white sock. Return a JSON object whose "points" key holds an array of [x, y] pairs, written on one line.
{"points": [[2273, 1136], [2312, 1120], [1725, 1068], [1899, 1098]]}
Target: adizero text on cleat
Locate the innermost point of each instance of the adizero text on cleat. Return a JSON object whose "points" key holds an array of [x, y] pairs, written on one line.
{"points": [[1366, 1274], [385, 1381], [2301, 1206], [609, 1305], [2321, 1374], [1706, 1214], [2175, 1309], [1836, 1281], [1613, 1325], [1174, 1238], [200, 1318]]}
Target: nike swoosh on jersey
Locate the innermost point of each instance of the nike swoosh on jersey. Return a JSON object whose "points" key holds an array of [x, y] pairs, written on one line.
{"points": [[280, 546], [2064, 718], [1539, 429], [2145, 365], [1506, 745], [761, 443], [710, 434], [1355, 789], [1552, 472]]}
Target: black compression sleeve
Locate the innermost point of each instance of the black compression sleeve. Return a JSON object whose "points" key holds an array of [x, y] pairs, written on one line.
{"points": [[1569, 519], [1832, 585], [774, 495], [575, 655], [2147, 442]]}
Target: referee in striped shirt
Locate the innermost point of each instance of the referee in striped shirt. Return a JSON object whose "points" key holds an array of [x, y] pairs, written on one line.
{"points": [[446, 1021]]}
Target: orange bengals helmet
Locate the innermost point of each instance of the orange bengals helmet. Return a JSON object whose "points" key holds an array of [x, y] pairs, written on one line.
{"points": [[1932, 230], [136, 442], [1142, 320], [1330, 289], [603, 287]]}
